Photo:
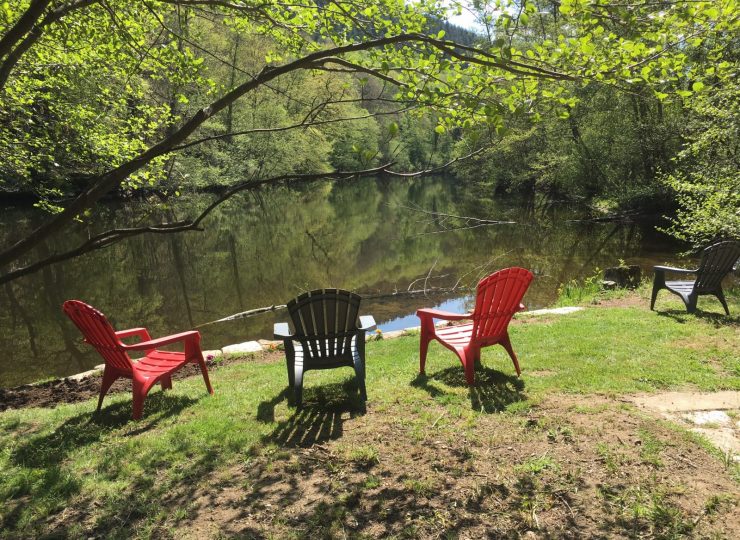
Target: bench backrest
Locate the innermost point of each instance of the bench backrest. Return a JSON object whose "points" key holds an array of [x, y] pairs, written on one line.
{"points": [[498, 298], [99, 333], [716, 262], [325, 321]]}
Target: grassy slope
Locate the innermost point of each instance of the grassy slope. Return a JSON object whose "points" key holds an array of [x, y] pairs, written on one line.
{"points": [[114, 473]]}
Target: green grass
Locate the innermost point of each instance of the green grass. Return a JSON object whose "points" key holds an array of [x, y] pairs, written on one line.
{"points": [[116, 473]]}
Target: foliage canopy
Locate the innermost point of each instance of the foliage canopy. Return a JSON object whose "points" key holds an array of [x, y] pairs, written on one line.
{"points": [[98, 94]]}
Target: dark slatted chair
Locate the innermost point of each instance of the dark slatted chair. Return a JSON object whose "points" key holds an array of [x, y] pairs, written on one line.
{"points": [[717, 261], [327, 333]]}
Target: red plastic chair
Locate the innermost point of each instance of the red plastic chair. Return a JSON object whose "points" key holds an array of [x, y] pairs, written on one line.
{"points": [[156, 366], [498, 298]]}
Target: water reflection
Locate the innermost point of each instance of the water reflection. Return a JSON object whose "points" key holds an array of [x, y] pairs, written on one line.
{"points": [[265, 249]]}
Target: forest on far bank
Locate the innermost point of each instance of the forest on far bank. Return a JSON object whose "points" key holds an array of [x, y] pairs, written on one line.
{"points": [[625, 107]]}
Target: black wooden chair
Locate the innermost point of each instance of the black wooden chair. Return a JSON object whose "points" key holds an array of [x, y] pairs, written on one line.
{"points": [[717, 261], [327, 333]]}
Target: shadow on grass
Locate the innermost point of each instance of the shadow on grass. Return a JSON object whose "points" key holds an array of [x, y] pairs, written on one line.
{"points": [[717, 320], [320, 418], [89, 427], [42, 459], [492, 392]]}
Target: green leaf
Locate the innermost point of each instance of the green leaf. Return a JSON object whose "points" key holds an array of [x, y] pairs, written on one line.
{"points": [[440, 129]]}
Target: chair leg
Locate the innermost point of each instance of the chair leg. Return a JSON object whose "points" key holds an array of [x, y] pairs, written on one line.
{"points": [[656, 289], [468, 362], [360, 374], [359, 364], [140, 391], [506, 342], [298, 386], [204, 372], [166, 383], [109, 377], [690, 302], [721, 297], [423, 348], [290, 362]]}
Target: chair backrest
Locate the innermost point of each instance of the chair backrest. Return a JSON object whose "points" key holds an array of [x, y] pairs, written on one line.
{"points": [[716, 262], [99, 333], [497, 300], [325, 321]]}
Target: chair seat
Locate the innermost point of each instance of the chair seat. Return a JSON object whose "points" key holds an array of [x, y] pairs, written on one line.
{"points": [[158, 363], [324, 360], [682, 286], [456, 336]]}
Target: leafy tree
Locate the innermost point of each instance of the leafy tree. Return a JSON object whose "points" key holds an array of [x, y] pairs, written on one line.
{"points": [[122, 84], [707, 179]]}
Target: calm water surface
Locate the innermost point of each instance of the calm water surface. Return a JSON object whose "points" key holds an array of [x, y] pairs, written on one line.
{"points": [[374, 237]]}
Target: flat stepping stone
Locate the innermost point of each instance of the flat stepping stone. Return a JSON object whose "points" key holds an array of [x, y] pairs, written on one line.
{"points": [[690, 401], [704, 413], [242, 348]]}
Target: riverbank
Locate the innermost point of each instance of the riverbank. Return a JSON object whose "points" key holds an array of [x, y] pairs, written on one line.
{"points": [[561, 451]]}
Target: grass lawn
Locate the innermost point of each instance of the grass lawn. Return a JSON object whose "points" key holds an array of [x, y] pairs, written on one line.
{"points": [[556, 453]]}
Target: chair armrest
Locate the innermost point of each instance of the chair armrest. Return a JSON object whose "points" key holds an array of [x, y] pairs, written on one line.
{"points": [[367, 322], [143, 333], [281, 330], [671, 269], [444, 315], [167, 340]]}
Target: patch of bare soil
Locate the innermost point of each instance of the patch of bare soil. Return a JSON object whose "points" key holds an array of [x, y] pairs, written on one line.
{"points": [[632, 299], [572, 468], [52, 393]]}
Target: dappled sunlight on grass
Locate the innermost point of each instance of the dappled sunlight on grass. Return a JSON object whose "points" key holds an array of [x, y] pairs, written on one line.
{"points": [[71, 472]]}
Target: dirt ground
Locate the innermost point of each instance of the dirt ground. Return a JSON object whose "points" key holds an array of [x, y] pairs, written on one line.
{"points": [[70, 390], [571, 468]]}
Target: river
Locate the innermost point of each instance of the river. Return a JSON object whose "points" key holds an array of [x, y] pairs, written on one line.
{"points": [[372, 236]]}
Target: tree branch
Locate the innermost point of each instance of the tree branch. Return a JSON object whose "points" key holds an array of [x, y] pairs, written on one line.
{"points": [[34, 35], [108, 181], [23, 25]]}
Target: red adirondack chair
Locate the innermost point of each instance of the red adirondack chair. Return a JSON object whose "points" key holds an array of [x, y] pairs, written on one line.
{"points": [[498, 298], [155, 367]]}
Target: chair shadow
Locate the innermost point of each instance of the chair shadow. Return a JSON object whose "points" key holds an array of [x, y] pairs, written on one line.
{"points": [[320, 419], [716, 319], [89, 427], [492, 392]]}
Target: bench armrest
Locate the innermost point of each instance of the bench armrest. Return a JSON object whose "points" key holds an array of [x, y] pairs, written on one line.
{"points": [[281, 330], [671, 269], [444, 315], [367, 322], [143, 333], [167, 340]]}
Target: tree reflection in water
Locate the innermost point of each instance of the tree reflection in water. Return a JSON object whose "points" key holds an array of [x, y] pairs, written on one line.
{"points": [[264, 249]]}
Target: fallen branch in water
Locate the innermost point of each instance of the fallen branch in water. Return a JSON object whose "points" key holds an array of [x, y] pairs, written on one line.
{"points": [[245, 314], [365, 296], [441, 221]]}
